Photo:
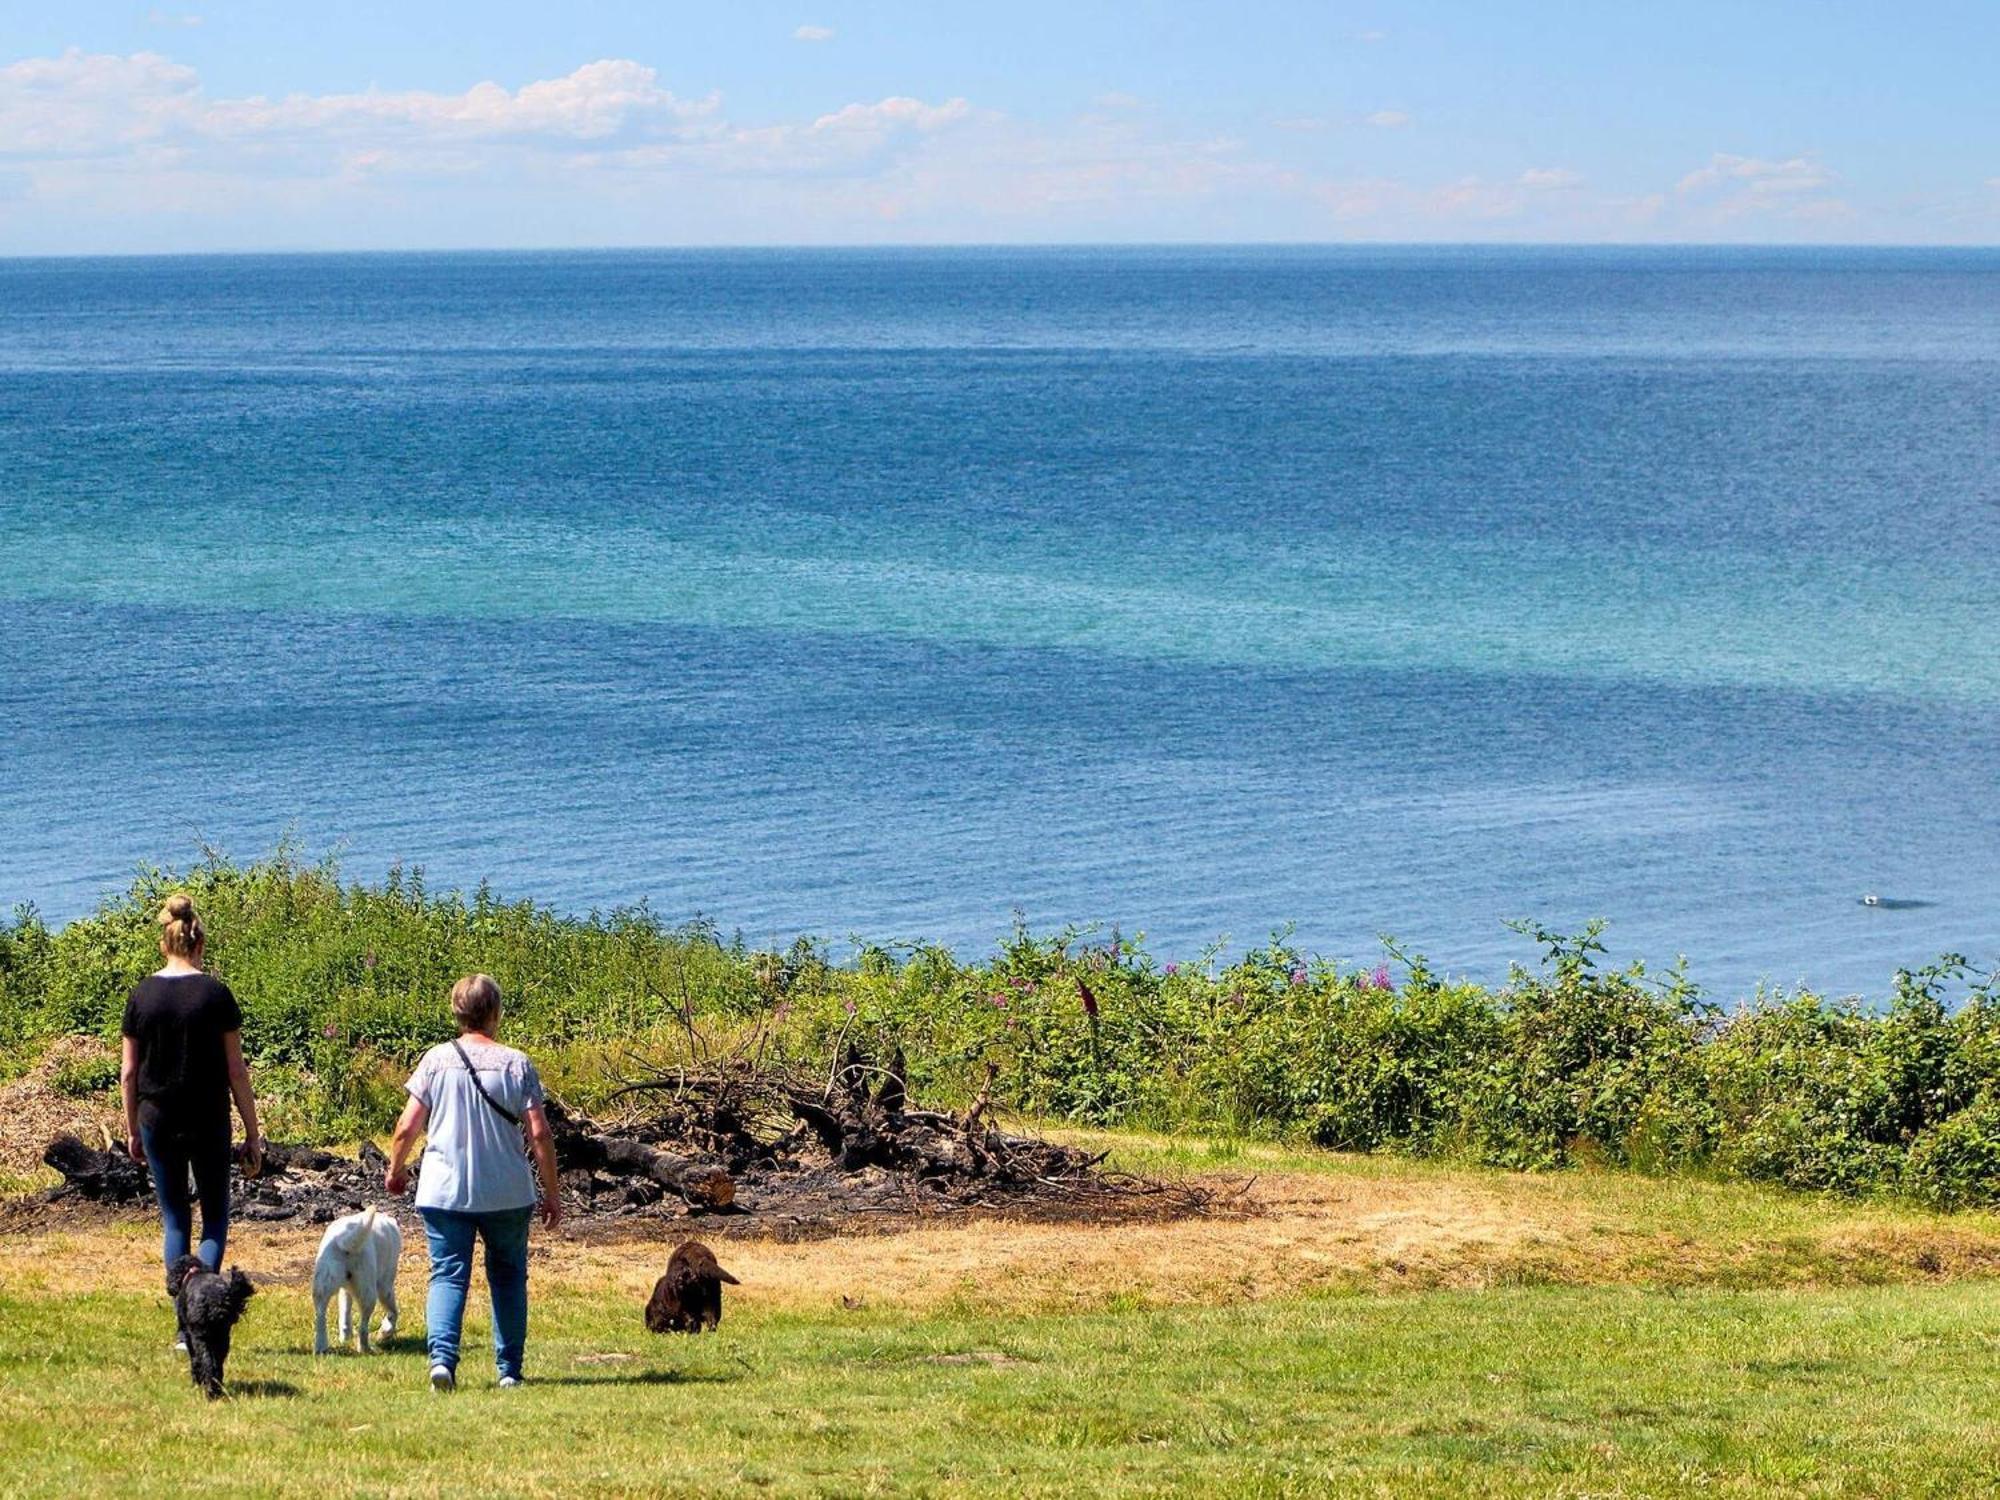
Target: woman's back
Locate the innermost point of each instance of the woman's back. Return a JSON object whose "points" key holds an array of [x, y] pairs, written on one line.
{"points": [[179, 1022], [474, 1160]]}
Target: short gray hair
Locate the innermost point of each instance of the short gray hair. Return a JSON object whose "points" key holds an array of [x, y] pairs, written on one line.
{"points": [[475, 1002]]}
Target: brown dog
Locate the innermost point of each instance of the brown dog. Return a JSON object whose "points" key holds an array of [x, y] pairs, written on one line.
{"points": [[688, 1299]]}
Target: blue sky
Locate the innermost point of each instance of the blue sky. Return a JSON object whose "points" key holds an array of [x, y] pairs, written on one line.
{"points": [[199, 125]]}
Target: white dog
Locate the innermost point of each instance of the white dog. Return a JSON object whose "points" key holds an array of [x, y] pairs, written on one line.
{"points": [[357, 1259]]}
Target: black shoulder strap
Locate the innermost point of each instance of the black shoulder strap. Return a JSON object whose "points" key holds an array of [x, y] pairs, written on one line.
{"points": [[505, 1113]]}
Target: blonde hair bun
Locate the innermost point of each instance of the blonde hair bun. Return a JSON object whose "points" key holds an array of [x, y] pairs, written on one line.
{"points": [[181, 934]]}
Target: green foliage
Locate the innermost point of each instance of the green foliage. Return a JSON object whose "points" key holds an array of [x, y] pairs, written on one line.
{"points": [[343, 985], [86, 1076], [1956, 1163]]}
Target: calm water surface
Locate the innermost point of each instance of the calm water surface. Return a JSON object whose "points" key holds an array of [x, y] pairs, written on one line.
{"points": [[888, 593]]}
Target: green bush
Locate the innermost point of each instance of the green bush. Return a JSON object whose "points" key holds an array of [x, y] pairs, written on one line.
{"points": [[1956, 1163], [343, 985], [86, 1076]]}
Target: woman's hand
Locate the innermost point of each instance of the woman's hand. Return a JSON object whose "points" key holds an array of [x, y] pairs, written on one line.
{"points": [[409, 1125], [128, 1094], [253, 1155], [552, 1213]]}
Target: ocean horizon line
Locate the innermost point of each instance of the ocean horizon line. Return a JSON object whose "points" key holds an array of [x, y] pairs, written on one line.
{"points": [[1785, 249]]}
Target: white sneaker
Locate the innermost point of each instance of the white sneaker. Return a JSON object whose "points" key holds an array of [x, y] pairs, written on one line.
{"points": [[181, 1344], [442, 1380], [508, 1382]]}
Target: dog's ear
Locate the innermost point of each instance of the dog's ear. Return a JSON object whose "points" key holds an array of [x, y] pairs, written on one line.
{"points": [[722, 1275]]}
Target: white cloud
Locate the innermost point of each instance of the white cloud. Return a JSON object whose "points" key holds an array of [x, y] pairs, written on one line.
{"points": [[893, 114], [158, 17], [120, 138], [813, 34], [1752, 188], [845, 141], [855, 141], [1474, 198], [598, 100], [125, 152], [1371, 36], [1118, 99], [1798, 174], [81, 104]]}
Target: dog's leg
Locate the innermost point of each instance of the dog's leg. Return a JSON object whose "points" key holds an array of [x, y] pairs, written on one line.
{"points": [[363, 1313], [346, 1315], [205, 1367], [388, 1327], [319, 1322]]}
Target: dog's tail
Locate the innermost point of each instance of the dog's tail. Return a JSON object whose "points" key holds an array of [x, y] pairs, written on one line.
{"points": [[355, 1230]]}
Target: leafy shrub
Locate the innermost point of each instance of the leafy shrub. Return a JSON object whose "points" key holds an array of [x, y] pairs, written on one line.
{"points": [[86, 1076], [1956, 1163], [343, 985]]}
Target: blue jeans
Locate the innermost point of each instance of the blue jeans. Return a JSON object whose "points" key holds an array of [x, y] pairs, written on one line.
{"points": [[505, 1232], [173, 1149]]}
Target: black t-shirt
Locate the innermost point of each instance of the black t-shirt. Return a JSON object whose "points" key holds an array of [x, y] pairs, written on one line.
{"points": [[179, 1022]]}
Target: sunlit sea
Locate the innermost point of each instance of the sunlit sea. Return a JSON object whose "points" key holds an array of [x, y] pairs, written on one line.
{"points": [[892, 594]]}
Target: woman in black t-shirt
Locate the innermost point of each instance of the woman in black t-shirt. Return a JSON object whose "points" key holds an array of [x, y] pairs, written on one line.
{"points": [[183, 1061]]}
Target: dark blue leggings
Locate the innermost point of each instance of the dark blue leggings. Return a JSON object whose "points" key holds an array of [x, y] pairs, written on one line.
{"points": [[174, 1151]]}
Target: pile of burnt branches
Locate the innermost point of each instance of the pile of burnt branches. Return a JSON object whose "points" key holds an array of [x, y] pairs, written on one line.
{"points": [[759, 1146], [296, 1182], [803, 1150]]}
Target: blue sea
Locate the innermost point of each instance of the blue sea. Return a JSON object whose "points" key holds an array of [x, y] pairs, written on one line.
{"points": [[891, 594]]}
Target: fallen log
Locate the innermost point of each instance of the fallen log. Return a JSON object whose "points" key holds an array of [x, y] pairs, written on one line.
{"points": [[108, 1176], [700, 1184]]}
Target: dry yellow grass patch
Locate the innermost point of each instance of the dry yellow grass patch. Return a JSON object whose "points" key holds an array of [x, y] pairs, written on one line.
{"points": [[33, 1111], [1362, 1229]]}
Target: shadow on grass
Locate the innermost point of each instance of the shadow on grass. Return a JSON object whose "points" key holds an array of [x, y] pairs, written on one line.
{"points": [[263, 1390]]}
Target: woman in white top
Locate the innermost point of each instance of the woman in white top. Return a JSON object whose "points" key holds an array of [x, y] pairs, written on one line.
{"points": [[474, 1097]]}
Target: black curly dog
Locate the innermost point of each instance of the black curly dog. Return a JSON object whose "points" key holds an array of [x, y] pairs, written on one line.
{"points": [[208, 1305]]}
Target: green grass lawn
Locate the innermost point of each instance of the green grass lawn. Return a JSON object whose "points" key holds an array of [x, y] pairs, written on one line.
{"points": [[1525, 1391]]}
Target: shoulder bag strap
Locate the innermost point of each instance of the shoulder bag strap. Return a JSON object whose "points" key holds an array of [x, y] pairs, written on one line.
{"points": [[505, 1113]]}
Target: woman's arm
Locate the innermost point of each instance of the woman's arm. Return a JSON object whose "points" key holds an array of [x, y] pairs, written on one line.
{"points": [[409, 1126], [246, 1103], [543, 1144], [128, 1085]]}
